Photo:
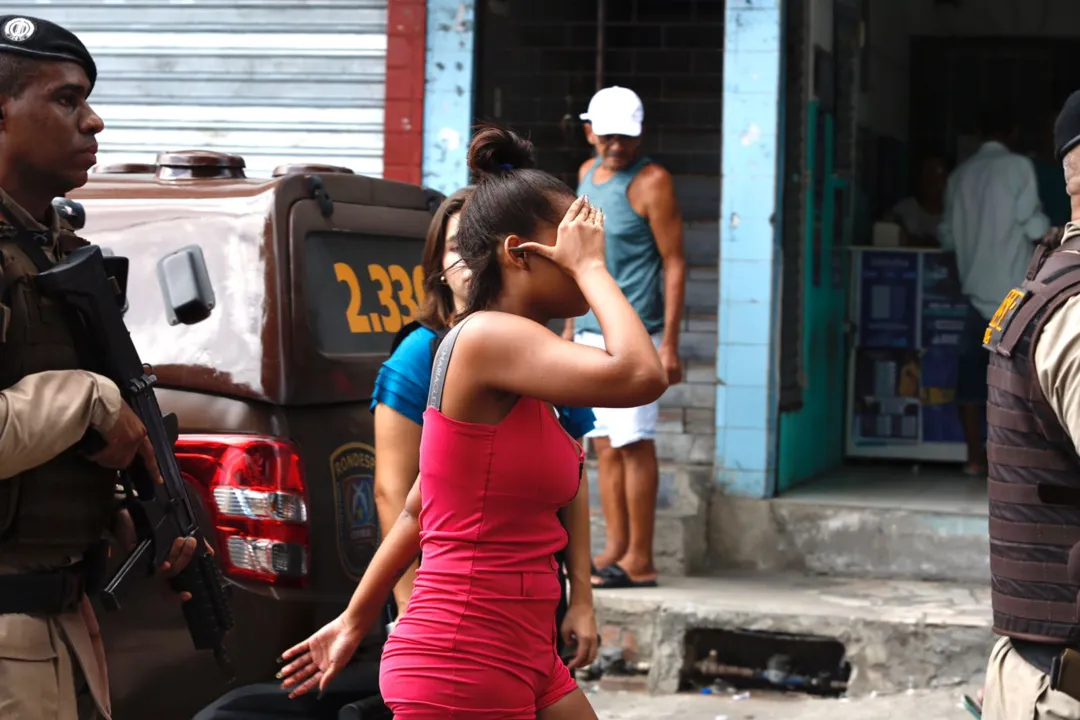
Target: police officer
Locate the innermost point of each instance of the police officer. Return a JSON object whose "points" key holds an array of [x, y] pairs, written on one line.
{"points": [[57, 505], [1033, 415]]}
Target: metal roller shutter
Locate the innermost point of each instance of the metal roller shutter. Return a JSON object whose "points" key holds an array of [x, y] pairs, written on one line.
{"points": [[275, 81]]}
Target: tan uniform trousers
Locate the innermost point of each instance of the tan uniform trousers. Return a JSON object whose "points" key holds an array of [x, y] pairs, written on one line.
{"points": [[1016, 690], [53, 668]]}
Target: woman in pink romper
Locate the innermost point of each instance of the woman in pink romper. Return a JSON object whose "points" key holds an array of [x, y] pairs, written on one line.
{"points": [[479, 639]]}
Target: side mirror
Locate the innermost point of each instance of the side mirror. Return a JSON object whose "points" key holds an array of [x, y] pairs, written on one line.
{"points": [[185, 285]]}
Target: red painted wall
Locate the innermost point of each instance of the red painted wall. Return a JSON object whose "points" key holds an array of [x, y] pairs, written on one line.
{"points": [[406, 35]]}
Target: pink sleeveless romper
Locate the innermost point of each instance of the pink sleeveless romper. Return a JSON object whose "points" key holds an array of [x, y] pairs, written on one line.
{"points": [[478, 638]]}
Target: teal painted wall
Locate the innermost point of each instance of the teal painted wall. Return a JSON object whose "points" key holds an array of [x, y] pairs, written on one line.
{"points": [[811, 440]]}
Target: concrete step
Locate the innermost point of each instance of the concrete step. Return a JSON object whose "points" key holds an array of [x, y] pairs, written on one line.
{"points": [[834, 538], [896, 635], [682, 509]]}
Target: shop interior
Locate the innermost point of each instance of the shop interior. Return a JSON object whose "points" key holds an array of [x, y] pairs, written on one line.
{"points": [[876, 423]]}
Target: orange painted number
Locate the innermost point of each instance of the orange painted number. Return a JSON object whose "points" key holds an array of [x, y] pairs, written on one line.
{"points": [[357, 322], [392, 321], [405, 293]]}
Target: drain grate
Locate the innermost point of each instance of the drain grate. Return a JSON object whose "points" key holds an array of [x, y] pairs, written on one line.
{"points": [[751, 659]]}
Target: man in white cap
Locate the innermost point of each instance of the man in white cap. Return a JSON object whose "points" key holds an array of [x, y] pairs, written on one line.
{"points": [[644, 245]]}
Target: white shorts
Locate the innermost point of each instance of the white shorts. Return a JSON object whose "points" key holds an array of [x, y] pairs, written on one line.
{"points": [[622, 426]]}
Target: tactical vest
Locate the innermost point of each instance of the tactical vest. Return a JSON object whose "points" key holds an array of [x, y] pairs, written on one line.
{"points": [[64, 505], [1034, 470]]}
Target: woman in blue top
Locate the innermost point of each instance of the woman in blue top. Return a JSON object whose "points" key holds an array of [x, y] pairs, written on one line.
{"points": [[401, 392]]}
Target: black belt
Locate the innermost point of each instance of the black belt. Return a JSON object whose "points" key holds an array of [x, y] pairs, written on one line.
{"points": [[43, 593], [1039, 655]]}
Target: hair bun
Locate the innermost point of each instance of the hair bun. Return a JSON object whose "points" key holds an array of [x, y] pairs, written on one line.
{"points": [[495, 150]]}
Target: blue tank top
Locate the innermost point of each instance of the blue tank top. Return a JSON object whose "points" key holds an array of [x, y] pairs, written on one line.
{"points": [[632, 256]]}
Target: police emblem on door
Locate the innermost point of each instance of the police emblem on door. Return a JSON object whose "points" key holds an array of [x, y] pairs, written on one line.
{"points": [[352, 471]]}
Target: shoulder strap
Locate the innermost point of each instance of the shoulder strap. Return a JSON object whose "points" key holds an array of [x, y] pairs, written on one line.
{"points": [[1049, 242], [1058, 277], [442, 362], [28, 242], [439, 335]]}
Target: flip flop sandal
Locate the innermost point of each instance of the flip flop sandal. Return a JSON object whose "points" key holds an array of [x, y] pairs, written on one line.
{"points": [[614, 577]]}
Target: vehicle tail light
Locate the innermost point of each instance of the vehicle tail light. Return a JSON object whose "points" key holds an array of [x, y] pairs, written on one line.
{"points": [[253, 488]]}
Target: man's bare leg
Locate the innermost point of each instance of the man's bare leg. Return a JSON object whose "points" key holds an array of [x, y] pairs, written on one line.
{"points": [[612, 481], [642, 485]]}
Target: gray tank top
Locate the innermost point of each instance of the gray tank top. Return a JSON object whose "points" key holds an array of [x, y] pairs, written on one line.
{"points": [[632, 256]]}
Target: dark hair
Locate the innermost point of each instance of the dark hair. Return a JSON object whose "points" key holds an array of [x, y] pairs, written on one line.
{"points": [[16, 73], [437, 310], [512, 197], [997, 120]]}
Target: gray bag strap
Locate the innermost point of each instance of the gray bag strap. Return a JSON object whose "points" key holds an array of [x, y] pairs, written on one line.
{"points": [[442, 361]]}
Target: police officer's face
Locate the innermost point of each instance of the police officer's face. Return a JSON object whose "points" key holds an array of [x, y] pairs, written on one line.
{"points": [[48, 132]]}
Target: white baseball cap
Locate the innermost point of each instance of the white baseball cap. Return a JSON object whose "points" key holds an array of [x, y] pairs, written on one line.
{"points": [[615, 111]]}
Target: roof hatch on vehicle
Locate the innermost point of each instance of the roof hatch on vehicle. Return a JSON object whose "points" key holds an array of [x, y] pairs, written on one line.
{"points": [[125, 169], [199, 164], [301, 168]]}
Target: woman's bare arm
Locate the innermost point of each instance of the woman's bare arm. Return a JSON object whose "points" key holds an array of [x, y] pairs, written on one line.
{"points": [[578, 547], [397, 443], [522, 357]]}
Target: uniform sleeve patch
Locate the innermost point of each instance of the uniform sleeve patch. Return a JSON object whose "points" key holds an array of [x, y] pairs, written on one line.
{"points": [[1003, 316]]}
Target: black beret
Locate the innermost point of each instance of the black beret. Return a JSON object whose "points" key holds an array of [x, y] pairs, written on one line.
{"points": [[1067, 126], [44, 40]]}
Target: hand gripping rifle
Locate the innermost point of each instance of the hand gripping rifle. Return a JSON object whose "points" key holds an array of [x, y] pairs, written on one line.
{"points": [[161, 513]]}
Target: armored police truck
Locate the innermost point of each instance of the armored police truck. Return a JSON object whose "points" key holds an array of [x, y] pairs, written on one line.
{"points": [[311, 273]]}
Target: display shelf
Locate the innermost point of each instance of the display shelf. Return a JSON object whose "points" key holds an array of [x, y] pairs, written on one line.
{"points": [[907, 316]]}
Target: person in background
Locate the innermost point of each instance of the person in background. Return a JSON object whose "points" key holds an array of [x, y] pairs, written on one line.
{"points": [[920, 214], [991, 221], [398, 402], [645, 255]]}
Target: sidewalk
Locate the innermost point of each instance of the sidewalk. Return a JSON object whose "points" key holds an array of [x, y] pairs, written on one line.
{"points": [[925, 705]]}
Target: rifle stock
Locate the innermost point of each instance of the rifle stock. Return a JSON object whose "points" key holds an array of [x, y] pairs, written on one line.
{"points": [[161, 513]]}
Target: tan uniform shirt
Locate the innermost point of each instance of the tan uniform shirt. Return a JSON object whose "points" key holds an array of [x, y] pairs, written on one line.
{"points": [[40, 416], [1057, 359]]}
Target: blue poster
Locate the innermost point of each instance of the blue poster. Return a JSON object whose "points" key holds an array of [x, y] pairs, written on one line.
{"points": [[888, 299], [944, 308]]}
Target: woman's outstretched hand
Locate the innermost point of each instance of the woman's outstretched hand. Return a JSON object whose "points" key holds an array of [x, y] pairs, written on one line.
{"points": [[579, 245], [315, 662]]}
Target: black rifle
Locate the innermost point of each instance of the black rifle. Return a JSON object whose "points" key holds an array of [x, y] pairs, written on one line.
{"points": [[161, 513]]}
